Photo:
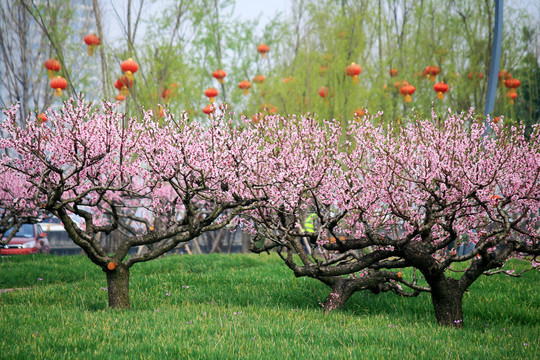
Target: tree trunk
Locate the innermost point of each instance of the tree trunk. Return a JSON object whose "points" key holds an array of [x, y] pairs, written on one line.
{"points": [[342, 290], [246, 240], [118, 287], [447, 299]]}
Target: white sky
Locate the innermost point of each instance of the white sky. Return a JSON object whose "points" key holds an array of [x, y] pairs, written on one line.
{"points": [[265, 8]]}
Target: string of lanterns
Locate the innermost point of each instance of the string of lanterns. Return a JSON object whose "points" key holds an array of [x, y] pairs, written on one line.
{"points": [[129, 67]]}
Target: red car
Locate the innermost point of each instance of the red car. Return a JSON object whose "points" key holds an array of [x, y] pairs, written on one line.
{"points": [[30, 239]]}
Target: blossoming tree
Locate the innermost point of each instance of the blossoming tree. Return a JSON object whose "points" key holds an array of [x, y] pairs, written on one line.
{"points": [[95, 163], [400, 198], [310, 180]]}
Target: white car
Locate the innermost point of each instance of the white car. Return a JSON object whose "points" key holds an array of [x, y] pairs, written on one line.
{"points": [[55, 224], [52, 224]]}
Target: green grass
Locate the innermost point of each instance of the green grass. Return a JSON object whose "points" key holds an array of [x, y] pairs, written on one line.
{"points": [[246, 307]]}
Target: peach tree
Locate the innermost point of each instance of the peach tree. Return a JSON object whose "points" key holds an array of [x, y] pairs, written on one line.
{"points": [[95, 163], [388, 199]]}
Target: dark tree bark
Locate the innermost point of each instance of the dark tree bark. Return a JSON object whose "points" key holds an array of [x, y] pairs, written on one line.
{"points": [[342, 290], [447, 299], [118, 287]]}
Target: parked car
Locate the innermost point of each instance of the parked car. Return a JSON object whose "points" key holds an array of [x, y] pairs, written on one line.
{"points": [[30, 239]]}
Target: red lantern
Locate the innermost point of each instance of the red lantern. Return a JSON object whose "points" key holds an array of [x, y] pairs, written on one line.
{"points": [[478, 75], [323, 92], [42, 118], [271, 109], [258, 79], [52, 66], [244, 85], [208, 109], [359, 113], [166, 94], [130, 67], [120, 97], [211, 93], [392, 72], [441, 88], [511, 95], [512, 84], [432, 71], [263, 49], [219, 75], [123, 84], [92, 41], [399, 84], [407, 91], [58, 84], [288, 79], [256, 118], [353, 70]]}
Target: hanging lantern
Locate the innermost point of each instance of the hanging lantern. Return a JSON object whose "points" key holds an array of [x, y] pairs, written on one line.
{"points": [[52, 66], [58, 84], [478, 75], [256, 118], [130, 67], [441, 88], [42, 118], [166, 94], [119, 85], [219, 75], [323, 92], [399, 84], [511, 95], [263, 49], [92, 41], [269, 108], [245, 85], [407, 91], [123, 84], [512, 84], [432, 72], [353, 70], [208, 109], [258, 79], [359, 113], [288, 79], [211, 93], [392, 72], [120, 97]]}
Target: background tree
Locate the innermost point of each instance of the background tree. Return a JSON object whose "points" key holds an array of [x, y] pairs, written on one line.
{"points": [[25, 46]]}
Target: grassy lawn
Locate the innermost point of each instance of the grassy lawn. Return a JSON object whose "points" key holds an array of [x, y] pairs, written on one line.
{"points": [[246, 307]]}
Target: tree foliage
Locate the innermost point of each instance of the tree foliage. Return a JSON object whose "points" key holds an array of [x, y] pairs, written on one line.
{"points": [[389, 199], [160, 185]]}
